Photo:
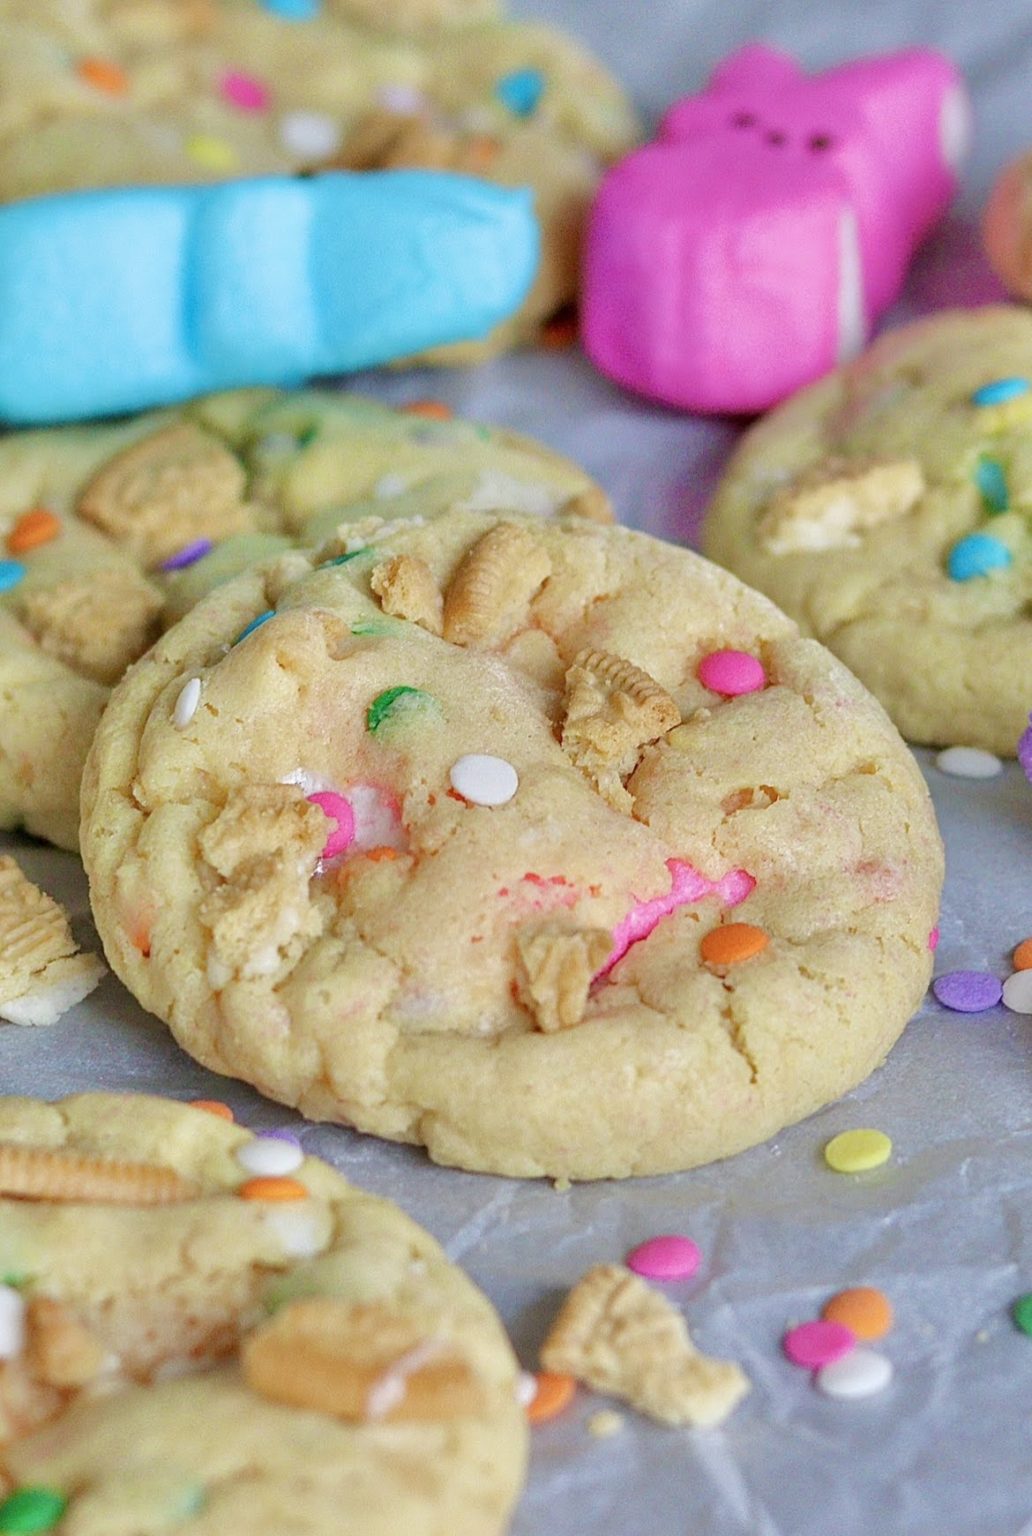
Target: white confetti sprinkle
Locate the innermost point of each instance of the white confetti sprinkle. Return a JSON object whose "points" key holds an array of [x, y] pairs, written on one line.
{"points": [[310, 135], [389, 486], [269, 1156], [304, 1227], [526, 1389], [484, 780], [405, 99], [12, 1322], [1017, 992], [969, 763], [861, 1373], [186, 704]]}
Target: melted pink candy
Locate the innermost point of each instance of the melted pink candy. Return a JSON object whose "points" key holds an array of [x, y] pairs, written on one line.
{"points": [[339, 811], [687, 886]]}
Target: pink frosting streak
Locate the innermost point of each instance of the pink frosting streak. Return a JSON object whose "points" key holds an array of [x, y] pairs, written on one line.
{"points": [[687, 886]]}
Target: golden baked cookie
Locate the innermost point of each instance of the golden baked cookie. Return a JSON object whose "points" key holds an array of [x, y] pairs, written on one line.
{"points": [[589, 867]]}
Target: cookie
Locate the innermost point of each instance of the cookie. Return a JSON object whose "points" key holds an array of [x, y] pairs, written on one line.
{"points": [[139, 92], [42, 973], [886, 510], [203, 1329], [613, 875], [103, 530]]}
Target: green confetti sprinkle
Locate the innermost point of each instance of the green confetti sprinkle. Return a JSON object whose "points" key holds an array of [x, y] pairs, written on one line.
{"points": [[373, 627], [351, 554], [1021, 1312], [307, 436], [29, 1511], [15, 1281], [992, 483], [394, 700]]}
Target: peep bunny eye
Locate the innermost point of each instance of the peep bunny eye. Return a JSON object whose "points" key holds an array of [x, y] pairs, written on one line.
{"points": [[775, 137], [743, 120], [819, 142]]}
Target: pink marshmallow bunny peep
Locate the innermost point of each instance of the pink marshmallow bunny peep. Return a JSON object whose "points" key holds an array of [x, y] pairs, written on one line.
{"points": [[752, 246]]}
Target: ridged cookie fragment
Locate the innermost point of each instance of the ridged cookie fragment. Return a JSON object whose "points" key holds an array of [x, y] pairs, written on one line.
{"points": [[42, 973], [613, 709], [555, 968], [616, 1334], [98, 623], [358, 1362], [179, 483], [490, 593], [830, 506], [407, 589], [60, 1351], [51, 1173]]}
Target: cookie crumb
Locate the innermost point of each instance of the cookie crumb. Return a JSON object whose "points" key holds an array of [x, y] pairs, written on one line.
{"points": [[42, 973], [605, 1424]]}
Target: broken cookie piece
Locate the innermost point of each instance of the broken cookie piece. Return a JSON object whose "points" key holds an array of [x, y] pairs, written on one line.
{"points": [[42, 973], [490, 593], [613, 709], [616, 1334], [831, 505], [555, 970]]}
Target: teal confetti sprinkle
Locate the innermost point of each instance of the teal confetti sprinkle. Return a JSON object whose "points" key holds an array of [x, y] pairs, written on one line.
{"points": [[998, 391], [977, 555], [351, 554], [992, 483], [11, 573], [249, 629], [521, 91]]}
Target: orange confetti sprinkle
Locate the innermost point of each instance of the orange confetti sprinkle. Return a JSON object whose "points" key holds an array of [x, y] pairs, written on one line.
{"points": [[213, 1107], [863, 1308], [38, 526], [1022, 956], [555, 1392], [733, 942], [433, 410], [482, 152], [103, 75], [382, 854], [272, 1189]]}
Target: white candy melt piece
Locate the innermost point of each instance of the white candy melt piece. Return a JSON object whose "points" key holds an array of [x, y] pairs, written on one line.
{"points": [[969, 763], [1017, 992], [484, 780], [12, 1322], [310, 135], [186, 704], [304, 1228], [861, 1373], [269, 1156]]}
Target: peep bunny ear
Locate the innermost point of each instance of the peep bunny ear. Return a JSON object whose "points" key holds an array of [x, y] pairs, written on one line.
{"points": [[755, 68], [905, 90]]}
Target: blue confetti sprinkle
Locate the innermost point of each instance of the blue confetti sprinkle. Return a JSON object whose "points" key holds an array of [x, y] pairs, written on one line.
{"points": [[350, 554], [249, 629], [294, 10], [521, 91], [992, 482], [977, 555], [1000, 390], [11, 572]]}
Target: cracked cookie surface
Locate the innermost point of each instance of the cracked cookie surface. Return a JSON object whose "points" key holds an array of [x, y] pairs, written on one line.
{"points": [[231, 1361], [888, 510], [377, 875], [91, 515]]}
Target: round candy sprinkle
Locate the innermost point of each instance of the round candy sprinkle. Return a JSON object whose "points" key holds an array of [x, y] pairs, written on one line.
{"points": [[968, 991], [731, 673], [103, 75], [1021, 1312], [818, 1343], [213, 1107], [521, 91], [861, 1373], [245, 92], [12, 1322], [394, 702], [294, 10], [992, 483], [310, 135], [999, 390], [864, 1310], [1022, 956], [1017, 992], [857, 1151], [276, 1189], [484, 780], [665, 1258], [211, 153], [188, 555], [968, 763], [33, 528], [554, 1393], [340, 811], [11, 572], [731, 943], [269, 1156], [977, 555], [249, 629], [186, 703], [31, 1511]]}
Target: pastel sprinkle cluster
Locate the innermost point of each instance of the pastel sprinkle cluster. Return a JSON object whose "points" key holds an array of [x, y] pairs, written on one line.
{"points": [[979, 991], [979, 554]]}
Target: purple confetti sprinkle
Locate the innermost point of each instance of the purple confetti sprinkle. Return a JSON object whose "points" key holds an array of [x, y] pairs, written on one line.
{"points": [[188, 555], [283, 1135], [968, 991], [1025, 750]]}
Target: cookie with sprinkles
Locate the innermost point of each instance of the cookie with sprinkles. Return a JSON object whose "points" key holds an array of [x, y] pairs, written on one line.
{"points": [[582, 863], [202, 1329], [109, 93], [887, 509], [109, 532]]}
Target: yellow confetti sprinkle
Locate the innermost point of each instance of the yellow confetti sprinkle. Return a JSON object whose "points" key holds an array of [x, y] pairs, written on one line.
{"points": [[214, 154], [857, 1151]]}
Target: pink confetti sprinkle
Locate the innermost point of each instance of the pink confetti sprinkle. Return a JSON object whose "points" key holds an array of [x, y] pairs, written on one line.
{"points": [[245, 92], [812, 1345], [338, 810], [687, 886], [665, 1258], [933, 938], [731, 673]]}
